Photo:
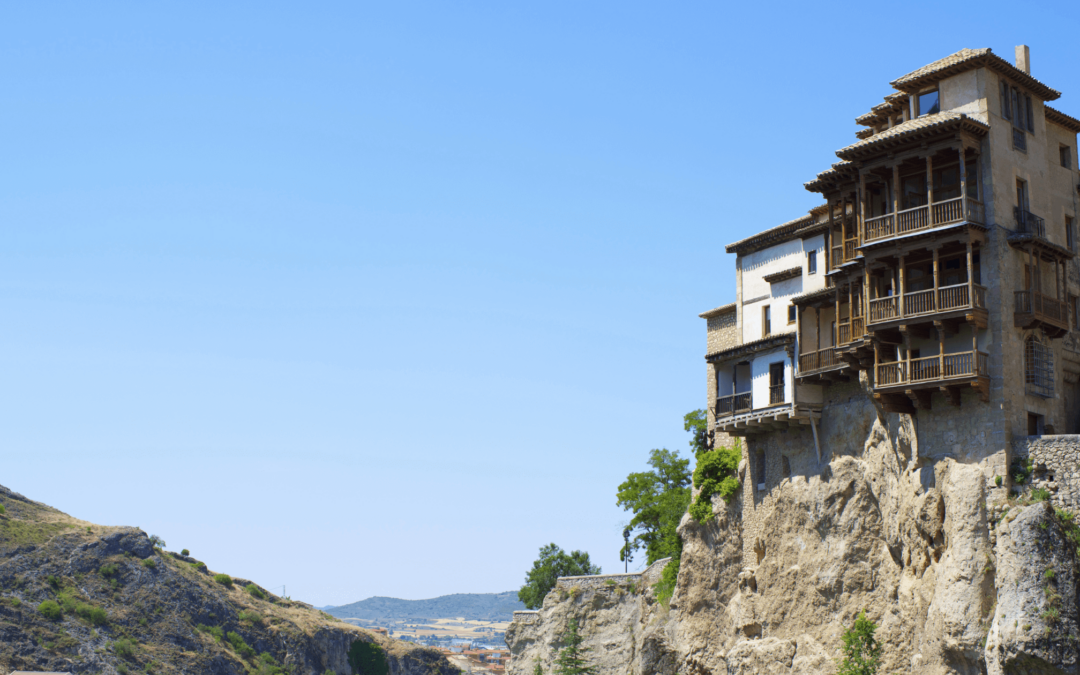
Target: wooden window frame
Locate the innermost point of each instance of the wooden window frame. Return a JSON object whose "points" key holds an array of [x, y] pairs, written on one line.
{"points": [[766, 321], [811, 262], [792, 315], [1065, 156]]}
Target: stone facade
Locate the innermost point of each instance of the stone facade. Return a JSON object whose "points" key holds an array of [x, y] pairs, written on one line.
{"points": [[1055, 466]]}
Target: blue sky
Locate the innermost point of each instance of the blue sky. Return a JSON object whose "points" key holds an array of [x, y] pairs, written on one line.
{"points": [[377, 299]]}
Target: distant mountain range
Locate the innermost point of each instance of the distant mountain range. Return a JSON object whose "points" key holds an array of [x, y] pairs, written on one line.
{"points": [[474, 606]]}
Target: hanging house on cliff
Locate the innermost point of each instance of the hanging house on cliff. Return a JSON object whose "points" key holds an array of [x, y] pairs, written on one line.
{"points": [[937, 279]]}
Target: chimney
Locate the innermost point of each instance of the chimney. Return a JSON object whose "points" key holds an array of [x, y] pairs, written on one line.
{"points": [[1023, 58]]}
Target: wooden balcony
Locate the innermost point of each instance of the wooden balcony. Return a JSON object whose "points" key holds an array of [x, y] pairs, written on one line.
{"points": [[1033, 309], [822, 367], [844, 253], [918, 378], [736, 404], [776, 394], [908, 221], [920, 304]]}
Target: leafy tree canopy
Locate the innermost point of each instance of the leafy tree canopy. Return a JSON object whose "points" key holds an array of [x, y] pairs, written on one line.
{"points": [[697, 423], [552, 564], [658, 499]]}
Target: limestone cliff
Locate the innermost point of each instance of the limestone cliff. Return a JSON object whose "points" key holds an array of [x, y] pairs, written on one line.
{"points": [[961, 576], [122, 605]]}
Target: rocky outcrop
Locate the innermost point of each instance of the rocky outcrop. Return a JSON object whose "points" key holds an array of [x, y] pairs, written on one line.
{"points": [[960, 577], [125, 605]]}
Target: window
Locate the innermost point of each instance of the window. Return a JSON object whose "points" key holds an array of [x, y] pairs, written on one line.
{"points": [[766, 321], [1006, 108], [1038, 368], [1030, 114], [811, 262], [1066, 156], [791, 314], [1074, 307], [929, 103], [1070, 235], [1021, 195], [1035, 424], [776, 383]]}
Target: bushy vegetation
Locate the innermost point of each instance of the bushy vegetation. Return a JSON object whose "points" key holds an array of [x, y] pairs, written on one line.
{"points": [[51, 610], [185, 552], [125, 648], [223, 579], [156, 541], [862, 653], [1040, 495], [2, 510], [215, 631], [715, 474], [253, 618], [571, 659], [267, 665], [238, 644], [149, 563], [552, 564], [368, 658], [255, 592], [108, 570]]}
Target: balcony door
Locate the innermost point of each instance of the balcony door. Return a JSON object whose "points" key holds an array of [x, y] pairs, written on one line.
{"points": [[776, 383]]}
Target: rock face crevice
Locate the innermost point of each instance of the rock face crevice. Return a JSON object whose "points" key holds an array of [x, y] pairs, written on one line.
{"points": [[960, 577]]}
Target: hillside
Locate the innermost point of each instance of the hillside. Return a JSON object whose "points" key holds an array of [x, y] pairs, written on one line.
{"points": [[475, 606], [80, 597]]}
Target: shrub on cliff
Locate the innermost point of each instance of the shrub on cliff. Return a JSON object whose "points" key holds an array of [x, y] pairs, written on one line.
{"points": [[715, 475], [552, 564], [571, 660], [50, 610], [223, 579], [862, 653], [368, 658]]}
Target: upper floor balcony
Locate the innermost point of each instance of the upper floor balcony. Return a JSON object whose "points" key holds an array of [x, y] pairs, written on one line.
{"points": [[924, 217], [920, 304]]}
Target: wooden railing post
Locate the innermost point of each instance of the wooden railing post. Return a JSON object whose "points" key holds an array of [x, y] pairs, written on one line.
{"points": [[936, 291], [900, 289], [971, 275], [929, 190], [963, 184]]}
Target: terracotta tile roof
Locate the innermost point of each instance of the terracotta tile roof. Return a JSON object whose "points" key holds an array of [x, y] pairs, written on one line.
{"points": [[800, 227], [1060, 118], [843, 170], [902, 133], [764, 344], [894, 103], [969, 59], [783, 275], [722, 309]]}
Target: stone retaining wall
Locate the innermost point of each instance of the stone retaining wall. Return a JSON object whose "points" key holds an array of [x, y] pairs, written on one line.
{"points": [[526, 616], [650, 576], [1055, 464]]}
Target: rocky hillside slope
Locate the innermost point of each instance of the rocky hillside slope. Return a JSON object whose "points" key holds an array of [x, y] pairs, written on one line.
{"points": [[84, 598]]}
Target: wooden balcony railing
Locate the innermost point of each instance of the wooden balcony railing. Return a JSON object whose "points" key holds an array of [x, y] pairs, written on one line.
{"points": [[939, 368], [921, 303], [1042, 307], [884, 309], [1029, 223], [843, 333], [776, 394], [819, 360], [946, 212], [845, 252], [727, 406]]}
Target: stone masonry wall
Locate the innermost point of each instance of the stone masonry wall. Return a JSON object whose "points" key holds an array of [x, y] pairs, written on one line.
{"points": [[722, 332], [1055, 466], [650, 575]]}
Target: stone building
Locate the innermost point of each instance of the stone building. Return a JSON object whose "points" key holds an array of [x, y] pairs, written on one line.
{"points": [[936, 286]]}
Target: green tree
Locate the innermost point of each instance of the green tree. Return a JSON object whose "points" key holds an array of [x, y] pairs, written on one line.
{"points": [[571, 660], [697, 422], [862, 653], [658, 499], [368, 658], [552, 564]]}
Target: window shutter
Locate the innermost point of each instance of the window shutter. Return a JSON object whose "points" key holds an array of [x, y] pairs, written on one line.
{"points": [[1005, 100], [1030, 116], [1018, 106]]}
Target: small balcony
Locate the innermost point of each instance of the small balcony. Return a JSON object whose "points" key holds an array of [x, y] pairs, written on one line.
{"points": [[926, 303], [845, 252], [736, 404], [850, 330], [925, 217], [822, 367], [1033, 310], [1029, 223], [932, 371], [776, 394]]}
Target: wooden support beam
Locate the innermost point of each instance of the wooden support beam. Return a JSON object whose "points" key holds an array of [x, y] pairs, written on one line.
{"points": [[953, 394], [921, 398]]}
